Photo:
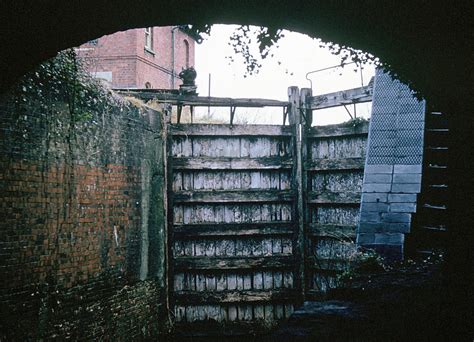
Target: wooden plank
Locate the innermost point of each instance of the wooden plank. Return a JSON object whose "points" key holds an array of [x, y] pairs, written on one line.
{"points": [[202, 101], [232, 263], [168, 210], [331, 131], [334, 197], [336, 164], [233, 196], [343, 97], [189, 231], [232, 330], [227, 163], [279, 311], [289, 309], [300, 180], [229, 130], [252, 296], [332, 230], [268, 308], [316, 295], [293, 246], [333, 264], [180, 313]]}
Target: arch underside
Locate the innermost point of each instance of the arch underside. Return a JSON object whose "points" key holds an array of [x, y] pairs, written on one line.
{"points": [[421, 43], [427, 45]]}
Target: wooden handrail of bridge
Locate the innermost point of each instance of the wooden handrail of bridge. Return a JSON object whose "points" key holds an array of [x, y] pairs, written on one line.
{"points": [[341, 98], [329, 100], [173, 97], [200, 101]]}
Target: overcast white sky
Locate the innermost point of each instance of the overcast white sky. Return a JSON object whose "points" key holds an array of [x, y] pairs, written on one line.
{"points": [[298, 55]]}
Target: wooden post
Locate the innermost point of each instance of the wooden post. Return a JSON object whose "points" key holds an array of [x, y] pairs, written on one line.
{"points": [[293, 99], [180, 109], [168, 209], [307, 119], [305, 100], [285, 114], [232, 114], [295, 120]]}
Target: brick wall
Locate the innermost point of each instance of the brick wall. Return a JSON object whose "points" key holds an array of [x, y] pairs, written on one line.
{"points": [[130, 65], [112, 57], [81, 230], [392, 175]]}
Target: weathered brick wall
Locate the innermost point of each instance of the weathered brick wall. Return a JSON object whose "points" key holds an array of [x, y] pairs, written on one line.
{"points": [[149, 66], [112, 57], [392, 175], [81, 229], [122, 58]]}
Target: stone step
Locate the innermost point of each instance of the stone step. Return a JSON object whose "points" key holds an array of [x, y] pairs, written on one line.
{"points": [[436, 136], [432, 216], [438, 121], [438, 228], [434, 175], [438, 130], [435, 207], [430, 222], [428, 238], [436, 155]]}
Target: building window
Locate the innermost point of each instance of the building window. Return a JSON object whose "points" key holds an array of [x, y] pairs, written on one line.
{"points": [[149, 38], [147, 85], [186, 48]]}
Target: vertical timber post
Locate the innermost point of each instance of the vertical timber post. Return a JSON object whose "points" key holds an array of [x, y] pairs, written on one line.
{"points": [[295, 120], [305, 99], [306, 117], [167, 146]]}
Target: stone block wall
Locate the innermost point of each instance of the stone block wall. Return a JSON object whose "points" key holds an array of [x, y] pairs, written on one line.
{"points": [[82, 222], [392, 175]]}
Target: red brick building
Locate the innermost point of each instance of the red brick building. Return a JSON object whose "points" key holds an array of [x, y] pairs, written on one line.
{"points": [[140, 58]]}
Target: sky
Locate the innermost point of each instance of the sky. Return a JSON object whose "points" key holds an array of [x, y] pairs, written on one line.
{"points": [[297, 53]]}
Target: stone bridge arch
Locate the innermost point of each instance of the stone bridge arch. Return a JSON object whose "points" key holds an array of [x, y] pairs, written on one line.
{"points": [[421, 42], [426, 44]]}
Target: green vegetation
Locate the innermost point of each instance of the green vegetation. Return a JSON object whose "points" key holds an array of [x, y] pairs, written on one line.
{"points": [[356, 122], [245, 38], [61, 81]]}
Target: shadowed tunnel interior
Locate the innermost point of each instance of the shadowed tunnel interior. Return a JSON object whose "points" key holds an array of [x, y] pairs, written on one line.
{"points": [[424, 43], [427, 45]]}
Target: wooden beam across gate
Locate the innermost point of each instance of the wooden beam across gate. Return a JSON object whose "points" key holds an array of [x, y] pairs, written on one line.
{"points": [[329, 197], [233, 196], [228, 163], [253, 229], [332, 131], [258, 296], [221, 130], [341, 98], [322, 164], [208, 264], [200, 101]]}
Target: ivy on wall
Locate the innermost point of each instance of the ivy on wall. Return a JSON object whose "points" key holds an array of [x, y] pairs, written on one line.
{"points": [[63, 80]]}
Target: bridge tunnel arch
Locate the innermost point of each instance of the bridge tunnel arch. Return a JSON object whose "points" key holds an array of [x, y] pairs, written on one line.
{"points": [[422, 54]]}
